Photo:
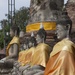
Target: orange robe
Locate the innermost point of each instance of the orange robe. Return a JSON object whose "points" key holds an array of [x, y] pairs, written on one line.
{"points": [[41, 55], [25, 57], [15, 40], [62, 59], [21, 56], [28, 56]]}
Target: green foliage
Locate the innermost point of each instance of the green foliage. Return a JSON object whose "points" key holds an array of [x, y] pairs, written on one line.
{"points": [[21, 17], [7, 28], [1, 39], [6, 38]]}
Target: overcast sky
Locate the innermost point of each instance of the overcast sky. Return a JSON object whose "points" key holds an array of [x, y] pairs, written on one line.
{"points": [[18, 3]]}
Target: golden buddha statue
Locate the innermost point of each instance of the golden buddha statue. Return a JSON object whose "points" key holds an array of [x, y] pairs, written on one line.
{"points": [[25, 56], [42, 51], [62, 58], [40, 55]]}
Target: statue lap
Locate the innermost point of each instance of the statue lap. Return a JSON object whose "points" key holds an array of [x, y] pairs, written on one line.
{"points": [[7, 66]]}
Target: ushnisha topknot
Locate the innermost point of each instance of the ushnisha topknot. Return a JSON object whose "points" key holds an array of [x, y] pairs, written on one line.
{"points": [[41, 32], [32, 34], [41, 26]]}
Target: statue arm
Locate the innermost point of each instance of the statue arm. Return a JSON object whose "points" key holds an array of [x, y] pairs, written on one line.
{"points": [[15, 52]]}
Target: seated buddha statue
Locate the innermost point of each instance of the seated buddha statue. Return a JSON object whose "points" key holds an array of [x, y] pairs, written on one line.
{"points": [[62, 58], [31, 50], [23, 52], [12, 49], [25, 57], [19, 64], [42, 49], [40, 56]]}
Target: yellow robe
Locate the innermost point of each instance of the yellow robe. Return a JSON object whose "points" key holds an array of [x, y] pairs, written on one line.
{"points": [[41, 55], [25, 57], [28, 56], [15, 40], [62, 59], [22, 56]]}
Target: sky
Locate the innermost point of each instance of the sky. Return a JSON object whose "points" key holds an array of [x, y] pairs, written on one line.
{"points": [[18, 5], [4, 6]]}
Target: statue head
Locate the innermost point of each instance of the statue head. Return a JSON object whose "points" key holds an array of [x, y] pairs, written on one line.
{"points": [[41, 35], [21, 46], [14, 30], [32, 41], [25, 44], [21, 34], [63, 29]]}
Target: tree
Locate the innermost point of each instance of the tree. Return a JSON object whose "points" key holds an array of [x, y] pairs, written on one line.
{"points": [[3, 33], [21, 17], [1, 39]]}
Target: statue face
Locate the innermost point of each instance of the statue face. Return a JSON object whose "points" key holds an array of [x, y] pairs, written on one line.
{"points": [[39, 39], [25, 46], [30, 44], [21, 47], [61, 32], [11, 33]]}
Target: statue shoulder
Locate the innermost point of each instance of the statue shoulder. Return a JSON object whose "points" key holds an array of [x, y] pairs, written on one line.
{"points": [[44, 46], [65, 44]]}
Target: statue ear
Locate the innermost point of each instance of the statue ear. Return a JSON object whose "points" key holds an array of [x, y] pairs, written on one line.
{"points": [[33, 44], [43, 38], [15, 32], [27, 46], [68, 30]]}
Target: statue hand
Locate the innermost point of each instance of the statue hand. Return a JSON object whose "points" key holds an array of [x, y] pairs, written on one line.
{"points": [[3, 59]]}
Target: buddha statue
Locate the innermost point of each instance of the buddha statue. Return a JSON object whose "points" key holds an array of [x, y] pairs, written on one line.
{"points": [[42, 49], [26, 56], [40, 56], [30, 50], [19, 65], [23, 52], [62, 58], [12, 49]]}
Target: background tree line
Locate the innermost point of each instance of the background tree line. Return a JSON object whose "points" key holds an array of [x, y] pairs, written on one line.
{"points": [[21, 17]]}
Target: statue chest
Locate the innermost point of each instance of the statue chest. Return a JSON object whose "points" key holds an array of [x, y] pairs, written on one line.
{"points": [[11, 50]]}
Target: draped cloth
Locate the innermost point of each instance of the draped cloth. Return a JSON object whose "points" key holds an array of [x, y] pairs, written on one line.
{"points": [[25, 57], [15, 40], [62, 59], [21, 56], [41, 55], [35, 26], [28, 56]]}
